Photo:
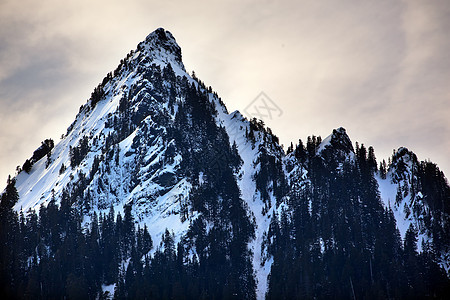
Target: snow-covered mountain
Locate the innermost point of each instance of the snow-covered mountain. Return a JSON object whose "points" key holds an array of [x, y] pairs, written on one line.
{"points": [[156, 139]]}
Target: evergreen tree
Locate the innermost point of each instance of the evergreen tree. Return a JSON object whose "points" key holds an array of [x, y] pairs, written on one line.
{"points": [[27, 165], [11, 270]]}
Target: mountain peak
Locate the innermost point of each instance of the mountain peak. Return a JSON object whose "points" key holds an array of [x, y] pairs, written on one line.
{"points": [[160, 33], [404, 156], [338, 140], [403, 161], [403, 152], [162, 40]]}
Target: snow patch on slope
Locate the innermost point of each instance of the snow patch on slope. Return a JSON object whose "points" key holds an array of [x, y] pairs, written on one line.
{"points": [[236, 125], [388, 192]]}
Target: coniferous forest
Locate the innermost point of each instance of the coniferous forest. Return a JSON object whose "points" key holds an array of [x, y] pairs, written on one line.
{"points": [[337, 242]]}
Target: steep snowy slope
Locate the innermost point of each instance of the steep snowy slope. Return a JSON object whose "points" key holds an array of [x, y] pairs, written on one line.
{"points": [[93, 120], [110, 165]]}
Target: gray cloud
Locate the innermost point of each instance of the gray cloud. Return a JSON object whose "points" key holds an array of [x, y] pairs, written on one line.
{"points": [[379, 68]]}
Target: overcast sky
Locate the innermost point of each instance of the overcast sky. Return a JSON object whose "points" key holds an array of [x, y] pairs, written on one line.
{"points": [[379, 68]]}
